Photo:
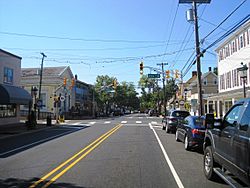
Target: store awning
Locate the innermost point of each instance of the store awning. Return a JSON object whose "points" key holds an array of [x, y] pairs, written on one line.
{"points": [[14, 95]]}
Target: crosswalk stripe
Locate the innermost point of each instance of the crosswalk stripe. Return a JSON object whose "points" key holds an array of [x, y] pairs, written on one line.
{"points": [[123, 122], [138, 122], [153, 122], [106, 122], [77, 123]]}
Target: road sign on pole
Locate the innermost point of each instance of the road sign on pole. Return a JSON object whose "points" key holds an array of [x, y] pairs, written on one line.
{"points": [[153, 75]]}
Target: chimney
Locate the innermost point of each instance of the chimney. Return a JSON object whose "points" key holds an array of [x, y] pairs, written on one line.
{"points": [[75, 76], [209, 69], [194, 73]]}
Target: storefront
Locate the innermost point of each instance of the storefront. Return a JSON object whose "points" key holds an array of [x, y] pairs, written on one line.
{"points": [[11, 97]]}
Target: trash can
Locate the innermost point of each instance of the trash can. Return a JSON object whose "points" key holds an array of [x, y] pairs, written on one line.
{"points": [[48, 121]]}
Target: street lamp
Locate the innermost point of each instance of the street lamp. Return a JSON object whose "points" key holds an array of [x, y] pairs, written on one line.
{"points": [[243, 75]]}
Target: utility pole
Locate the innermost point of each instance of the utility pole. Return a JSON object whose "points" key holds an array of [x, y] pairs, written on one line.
{"points": [[192, 16], [198, 63], [40, 85], [164, 91]]}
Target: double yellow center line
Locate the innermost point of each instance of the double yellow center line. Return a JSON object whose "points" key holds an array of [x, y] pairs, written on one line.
{"points": [[83, 153]]}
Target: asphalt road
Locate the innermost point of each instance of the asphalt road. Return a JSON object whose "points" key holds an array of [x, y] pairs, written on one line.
{"points": [[127, 151]]}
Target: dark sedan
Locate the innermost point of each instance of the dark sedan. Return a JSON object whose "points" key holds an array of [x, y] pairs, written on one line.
{"points": [[191, 131], [170, 122]]}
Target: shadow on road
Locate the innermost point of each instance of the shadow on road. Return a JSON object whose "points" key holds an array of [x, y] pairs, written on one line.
{"points": [[22, 183], [13, 145]]}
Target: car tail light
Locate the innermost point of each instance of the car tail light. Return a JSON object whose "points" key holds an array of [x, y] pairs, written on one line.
{"points": [[173, 119], [197, 131]]}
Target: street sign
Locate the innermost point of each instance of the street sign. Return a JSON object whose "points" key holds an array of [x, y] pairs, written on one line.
{"points": [[39, 103], [62, 98], [153, 75], [194, 102], [182, 102]]}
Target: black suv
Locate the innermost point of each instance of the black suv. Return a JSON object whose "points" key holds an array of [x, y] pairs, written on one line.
{"points": [[169, 123], [227, 145]]}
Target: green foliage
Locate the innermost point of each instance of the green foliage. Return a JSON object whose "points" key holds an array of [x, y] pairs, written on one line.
{"points": [[152, 94], [123, 96]]}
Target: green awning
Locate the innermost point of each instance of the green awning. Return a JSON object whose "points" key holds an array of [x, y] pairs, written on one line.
{"points": [[14, 95]]}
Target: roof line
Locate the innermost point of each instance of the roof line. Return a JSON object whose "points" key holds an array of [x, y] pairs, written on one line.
{"points": [[10, 54]]}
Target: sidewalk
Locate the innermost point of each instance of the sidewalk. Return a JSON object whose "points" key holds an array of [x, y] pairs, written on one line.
{"points": [[20, 128]]}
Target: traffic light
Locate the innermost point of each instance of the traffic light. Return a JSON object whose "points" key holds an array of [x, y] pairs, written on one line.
{"points": [[167, 73], [141, 68], [176, 74], [115, 84], [72, 82], [64, 81]]}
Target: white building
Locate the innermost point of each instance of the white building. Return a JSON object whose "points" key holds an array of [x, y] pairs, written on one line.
{"points": [[231, 53]]}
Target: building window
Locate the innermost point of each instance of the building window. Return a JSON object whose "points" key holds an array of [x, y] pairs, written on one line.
{"points": [[248, 36], [215, 81], [233, 47], [43, 98], [241, 42], [8, 75], [7, 111], [205, 81]]}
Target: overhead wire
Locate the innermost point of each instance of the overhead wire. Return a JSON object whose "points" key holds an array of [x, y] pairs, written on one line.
{"points": [[223, 36], [171, 30], [81, 39]]}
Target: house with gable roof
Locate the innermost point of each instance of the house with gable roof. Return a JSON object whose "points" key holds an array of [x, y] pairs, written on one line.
{"points": [[209, 87], [52, 86]]}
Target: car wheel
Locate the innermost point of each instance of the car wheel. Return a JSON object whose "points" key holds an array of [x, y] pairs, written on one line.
{"points": [[163, 127], [208, 163], [186, 143], [167, 129], [176, 136]]}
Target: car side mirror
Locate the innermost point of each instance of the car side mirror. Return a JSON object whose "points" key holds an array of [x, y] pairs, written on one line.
{"points": [[209, 121]]}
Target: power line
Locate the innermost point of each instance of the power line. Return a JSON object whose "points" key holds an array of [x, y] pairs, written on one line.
{"points": [[171, 30], [225, 19], [81, 39]]}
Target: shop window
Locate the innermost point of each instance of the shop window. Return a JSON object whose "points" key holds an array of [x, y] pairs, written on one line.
{"points": [[8, 75], [7, 111]]}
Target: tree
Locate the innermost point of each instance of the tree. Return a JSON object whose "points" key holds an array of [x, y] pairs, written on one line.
{"points": [[110, 98]]}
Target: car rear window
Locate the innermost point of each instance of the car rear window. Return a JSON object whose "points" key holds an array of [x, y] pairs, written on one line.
{"points": [[182, 114], [198, 122]]}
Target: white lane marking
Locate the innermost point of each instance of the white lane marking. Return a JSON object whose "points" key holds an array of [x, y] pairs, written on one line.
{"points": [[138, 122], [153, 122], [123, 122], [136, 125], [140, 117], [38, 142], [176, 177], [106, 122], [77, 123], [130, 117], [92, 123]]}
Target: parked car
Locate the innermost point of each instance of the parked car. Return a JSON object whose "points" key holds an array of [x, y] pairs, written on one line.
{"points": [[153, 113], [191, 131], [170, 122], [227, 145]]}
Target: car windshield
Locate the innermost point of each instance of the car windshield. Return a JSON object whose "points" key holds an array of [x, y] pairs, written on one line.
{"points": [[182, 114]]}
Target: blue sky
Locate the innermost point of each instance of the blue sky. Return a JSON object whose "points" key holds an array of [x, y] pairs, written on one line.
{"points": [[99, 37]]}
